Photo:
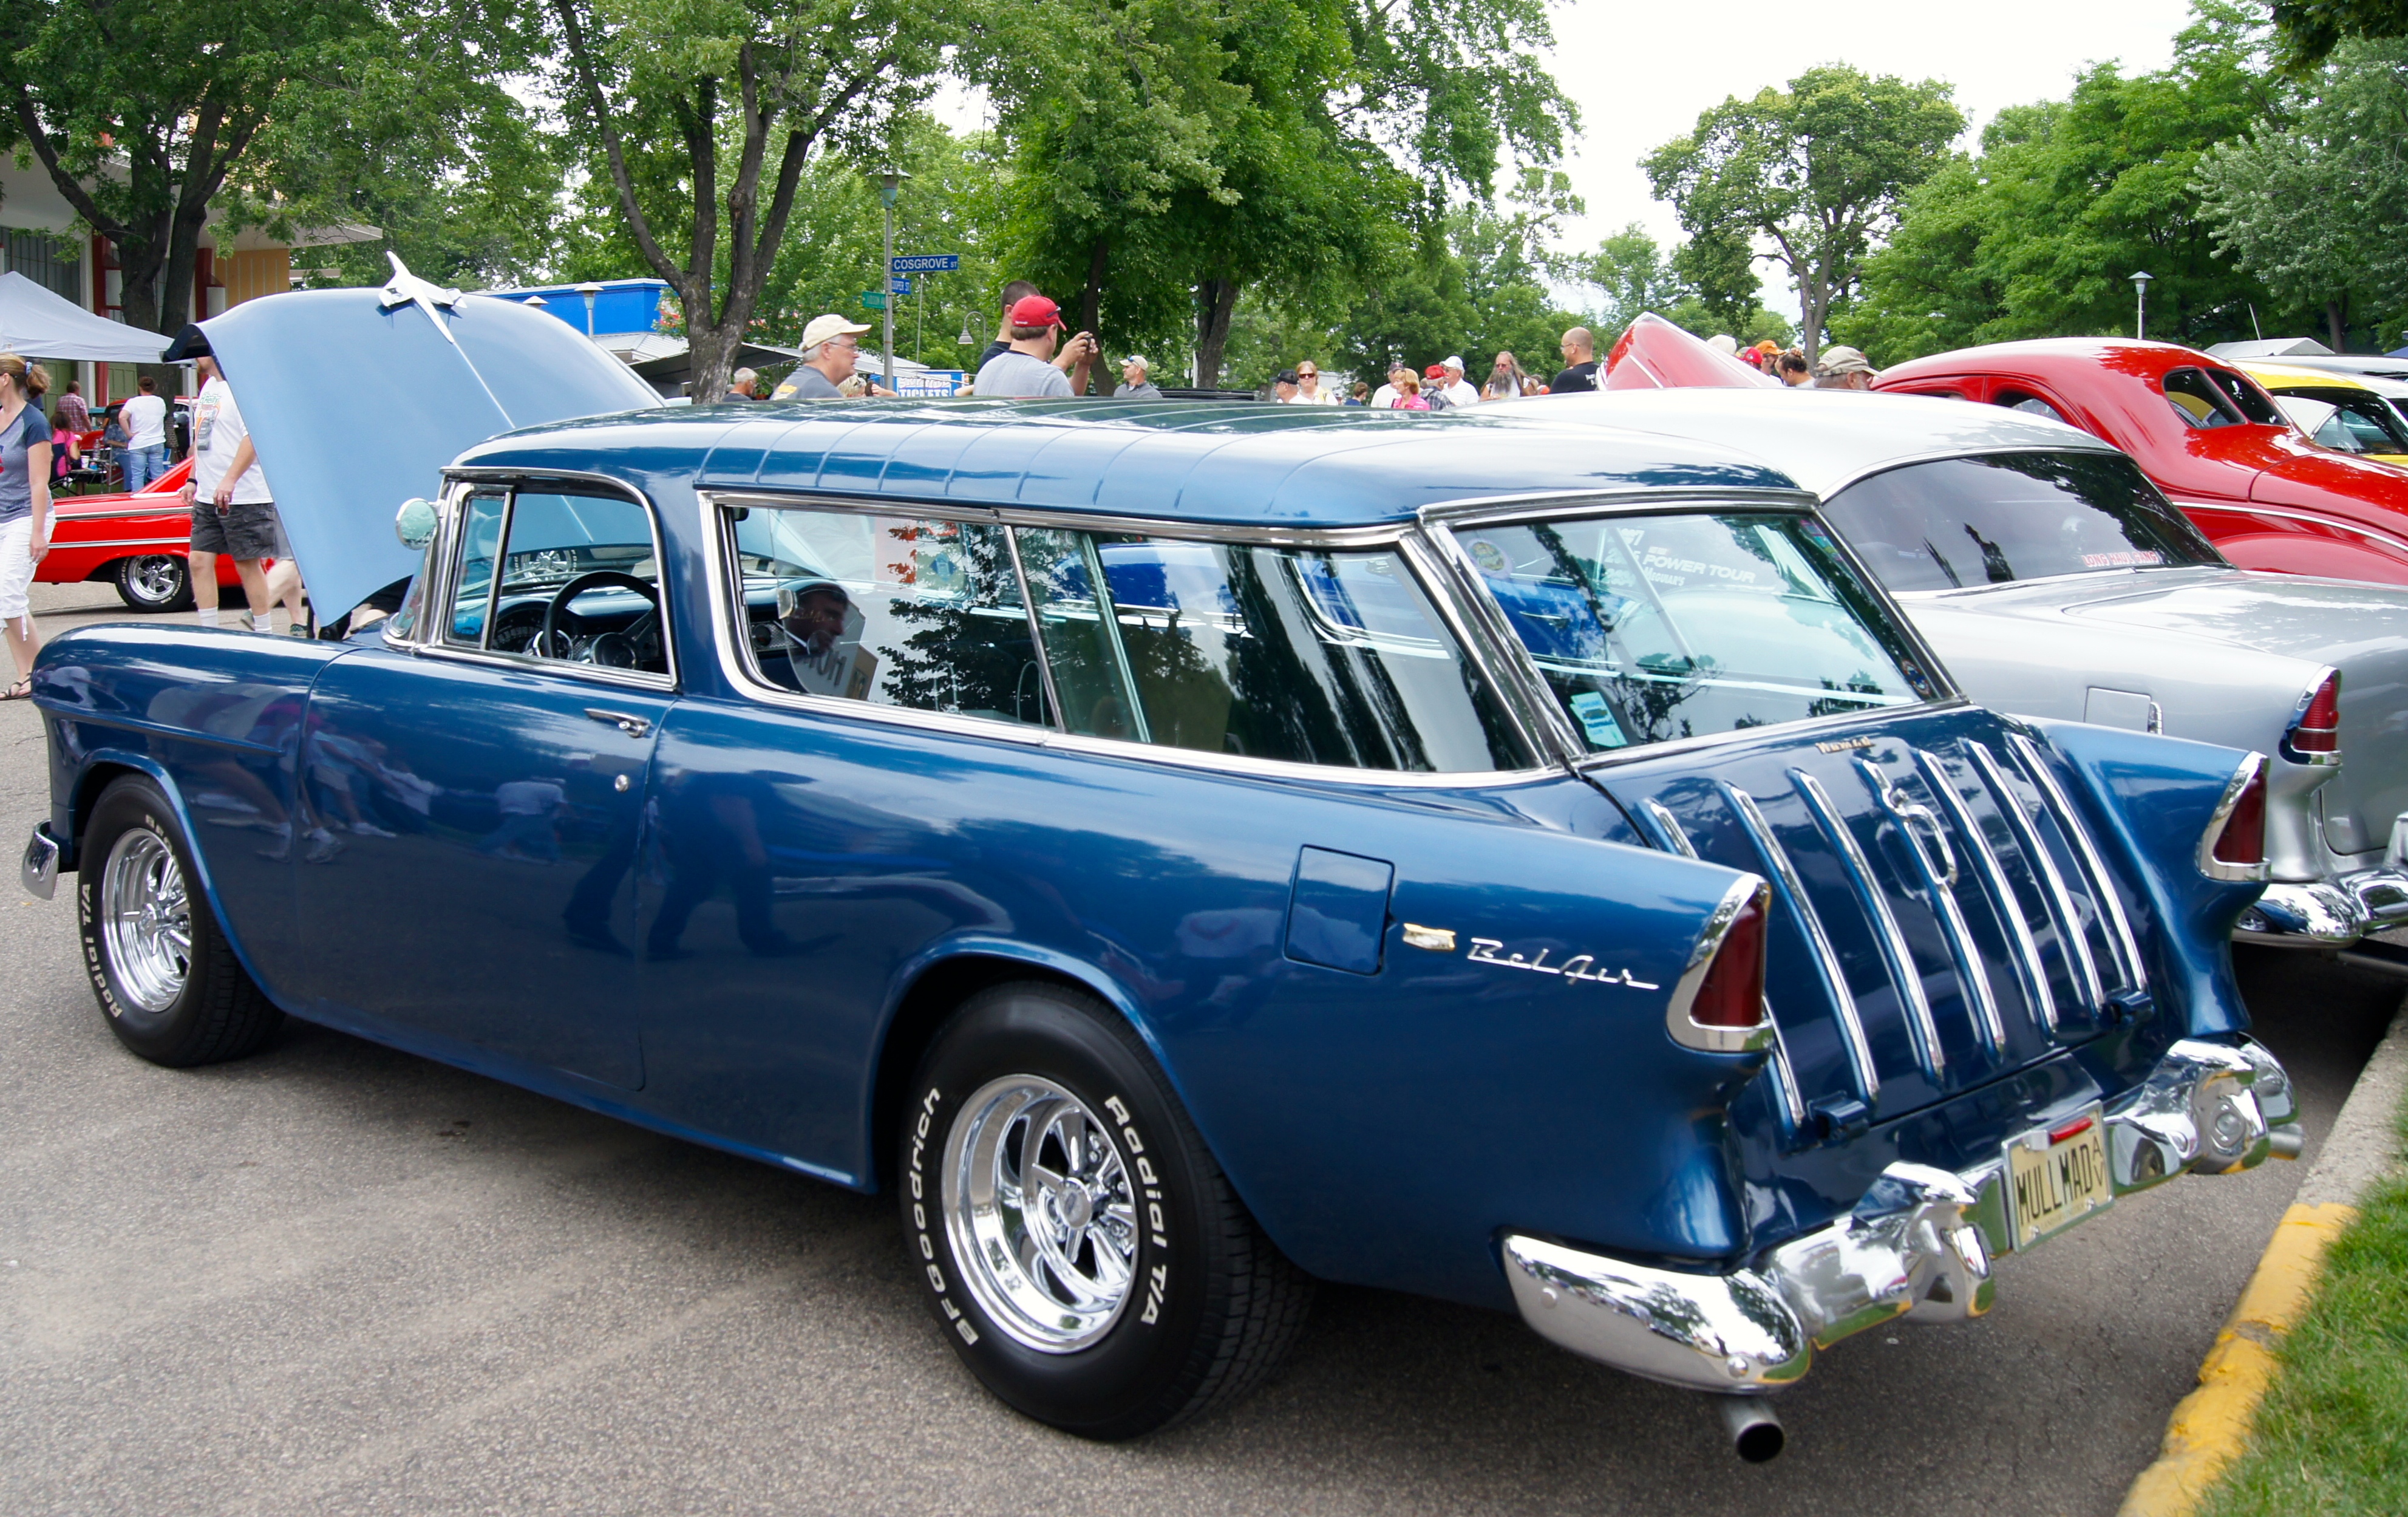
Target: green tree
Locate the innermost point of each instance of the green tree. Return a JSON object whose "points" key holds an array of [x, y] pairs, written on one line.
{"points": [[704, 115], [142, 112], [2040, 234], [1298, 149], [2310, 30], [2313, 207], [1819, 171]]}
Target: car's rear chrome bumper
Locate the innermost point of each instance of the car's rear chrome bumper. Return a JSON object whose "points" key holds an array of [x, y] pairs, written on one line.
{"points": [[40, 871], [2332, 914], [1919, 1245]]}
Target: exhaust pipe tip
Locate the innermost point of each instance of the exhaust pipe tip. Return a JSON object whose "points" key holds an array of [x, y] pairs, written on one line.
{"points": [[1755, 1429]]}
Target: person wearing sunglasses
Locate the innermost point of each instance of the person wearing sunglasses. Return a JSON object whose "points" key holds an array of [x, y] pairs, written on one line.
{"points": [[1309, 388]]}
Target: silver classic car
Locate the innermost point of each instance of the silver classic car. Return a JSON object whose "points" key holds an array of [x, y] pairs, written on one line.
{"points": [[2054, 581]]}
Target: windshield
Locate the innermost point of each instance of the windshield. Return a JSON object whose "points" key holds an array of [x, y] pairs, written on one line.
{"points": [[1960, 521], [1654, 628]]}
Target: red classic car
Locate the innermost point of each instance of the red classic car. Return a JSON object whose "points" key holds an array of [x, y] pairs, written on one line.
{"points": [[137, 542], [2208, 436]]}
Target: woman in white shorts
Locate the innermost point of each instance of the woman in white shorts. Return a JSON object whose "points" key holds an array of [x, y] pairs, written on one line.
{"points": [[25, 510]]}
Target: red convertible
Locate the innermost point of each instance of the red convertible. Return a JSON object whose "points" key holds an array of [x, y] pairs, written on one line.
{"points": [[137, 542], [2208, 436]]}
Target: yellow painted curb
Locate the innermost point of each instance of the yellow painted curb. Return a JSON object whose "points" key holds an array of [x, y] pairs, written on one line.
{"points": [[2210, 1425]]}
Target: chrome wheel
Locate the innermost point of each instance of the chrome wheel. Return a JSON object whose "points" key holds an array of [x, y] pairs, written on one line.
{"points": [[146, 919], [154, 580], [1040, 1213]]}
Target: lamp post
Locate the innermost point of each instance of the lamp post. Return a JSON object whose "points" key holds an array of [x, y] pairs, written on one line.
{"points": [[889, 181], [2141, 305], [589, 290]]}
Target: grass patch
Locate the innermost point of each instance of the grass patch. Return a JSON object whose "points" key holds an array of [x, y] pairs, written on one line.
{"points": [[2332, 1434]]}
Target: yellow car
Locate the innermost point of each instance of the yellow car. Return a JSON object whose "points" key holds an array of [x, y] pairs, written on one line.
{"points": [[2347, 412]]}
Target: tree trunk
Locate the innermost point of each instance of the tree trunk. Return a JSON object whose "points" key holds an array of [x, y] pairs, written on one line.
{"points": [[2337, 323], [712, 350], [1091, 299], [1813, 299], [1216, 301]]}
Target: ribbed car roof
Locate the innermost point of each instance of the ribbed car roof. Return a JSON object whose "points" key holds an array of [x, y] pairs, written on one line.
{"points": [[1225, 462]]}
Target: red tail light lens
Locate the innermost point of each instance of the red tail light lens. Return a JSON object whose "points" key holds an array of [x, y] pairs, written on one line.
{"points": [[2243, 840], [1732, 993], [2318, 728]]}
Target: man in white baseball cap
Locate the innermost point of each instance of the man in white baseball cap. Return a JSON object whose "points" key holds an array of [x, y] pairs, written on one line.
{"points": [[1458, 392], [1136, 382], [830, 345]]}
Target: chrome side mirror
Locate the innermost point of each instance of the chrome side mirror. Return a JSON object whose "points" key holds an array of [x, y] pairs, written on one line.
{"points": [[414, 523]]}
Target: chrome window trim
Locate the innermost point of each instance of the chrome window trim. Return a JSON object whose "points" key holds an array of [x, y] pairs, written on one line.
{"points": [[736, 669], [1887, 935], [470, 480], [2209, 865], [1827, 959], [2010, 907], [1553, 737], [1686, 1030], [1494, 666], [2084, 443], [1589, 763], [1379, 535], [1495, 511], [435, 606], [2072, 938], [2119, 928]]}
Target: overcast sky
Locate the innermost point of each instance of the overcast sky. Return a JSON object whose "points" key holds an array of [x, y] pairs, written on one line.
{"points": [[1641, 71]]}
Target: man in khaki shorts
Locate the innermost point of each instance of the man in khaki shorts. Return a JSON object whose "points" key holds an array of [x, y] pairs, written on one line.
{"points": [[233, 513]]}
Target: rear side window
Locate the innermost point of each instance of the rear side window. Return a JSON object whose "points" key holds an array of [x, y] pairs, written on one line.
{"points": [[1960, 522], [2210, 398], [912, 612], [1258, 651]]}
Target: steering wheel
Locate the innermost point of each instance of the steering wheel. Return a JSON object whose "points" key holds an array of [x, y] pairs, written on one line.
{"points": [[574, 588]]}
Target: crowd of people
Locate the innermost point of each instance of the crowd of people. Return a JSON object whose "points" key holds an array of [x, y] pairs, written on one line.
{"points": [[1036, 356]]}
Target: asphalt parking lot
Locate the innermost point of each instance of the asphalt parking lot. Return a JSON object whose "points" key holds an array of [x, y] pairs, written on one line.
{"points": [[336, 1279]]}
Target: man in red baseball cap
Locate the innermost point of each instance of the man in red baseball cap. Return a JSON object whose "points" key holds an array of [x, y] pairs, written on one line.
{"points": [[1434, 387], [1027, 370]]}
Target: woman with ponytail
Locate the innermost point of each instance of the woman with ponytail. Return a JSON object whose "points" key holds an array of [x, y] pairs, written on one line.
{"points": [[24, 508]]}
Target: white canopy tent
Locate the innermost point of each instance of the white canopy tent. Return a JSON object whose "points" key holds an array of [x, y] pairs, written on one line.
{"points": [[40, 325]]}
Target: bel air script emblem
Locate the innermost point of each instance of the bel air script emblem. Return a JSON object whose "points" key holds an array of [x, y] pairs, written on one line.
{"points": [[1579, 967]]}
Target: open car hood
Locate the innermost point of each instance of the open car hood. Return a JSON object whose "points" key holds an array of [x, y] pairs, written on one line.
{"points": [[1655, 354], [356, 399]]}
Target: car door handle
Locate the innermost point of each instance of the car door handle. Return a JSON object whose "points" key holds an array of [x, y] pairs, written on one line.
{"points": [[634, 726]]}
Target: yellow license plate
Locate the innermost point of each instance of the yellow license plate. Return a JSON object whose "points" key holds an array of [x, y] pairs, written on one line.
{"points": [[2056, 1176]]}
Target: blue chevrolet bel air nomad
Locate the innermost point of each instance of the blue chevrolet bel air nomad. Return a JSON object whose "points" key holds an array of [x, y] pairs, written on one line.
{"points": [[1178, 851]]}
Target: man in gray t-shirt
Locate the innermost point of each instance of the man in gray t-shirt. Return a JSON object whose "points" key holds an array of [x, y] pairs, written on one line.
{"points": [[830, 350], [1026, 371]]}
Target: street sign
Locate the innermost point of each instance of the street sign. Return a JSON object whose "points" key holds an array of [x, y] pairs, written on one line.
{"points": [[873, 299], [925, 264], [900, 284]]}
